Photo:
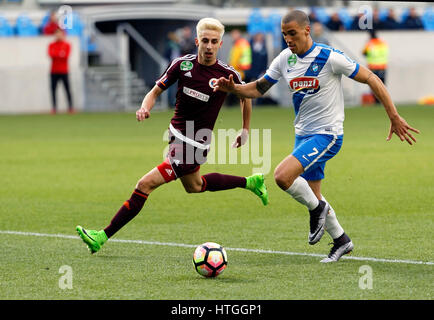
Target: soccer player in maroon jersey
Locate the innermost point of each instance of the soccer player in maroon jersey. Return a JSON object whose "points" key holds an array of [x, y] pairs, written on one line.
{"points": [[196, 110]]}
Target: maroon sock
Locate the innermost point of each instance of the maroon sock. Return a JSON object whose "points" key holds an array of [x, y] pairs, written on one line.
{"points": [[128, 211], [217, 182]]}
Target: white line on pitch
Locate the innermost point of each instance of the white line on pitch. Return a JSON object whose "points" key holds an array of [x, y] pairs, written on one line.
{"points": [[173, 244]]}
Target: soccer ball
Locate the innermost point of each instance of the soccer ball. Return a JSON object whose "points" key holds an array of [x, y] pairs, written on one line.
{"points": [[210, 259]]}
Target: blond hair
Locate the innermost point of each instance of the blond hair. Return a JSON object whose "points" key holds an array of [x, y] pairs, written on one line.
{"points": [[210, 24]]}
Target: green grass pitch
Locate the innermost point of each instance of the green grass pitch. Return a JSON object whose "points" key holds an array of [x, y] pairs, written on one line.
{"points": [[60, 171]]}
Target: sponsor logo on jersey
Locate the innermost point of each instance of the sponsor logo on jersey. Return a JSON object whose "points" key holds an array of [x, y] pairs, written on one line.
{"points": [[188, 74], [304, 83], [196, 94], [186, 65], [212, 82]]}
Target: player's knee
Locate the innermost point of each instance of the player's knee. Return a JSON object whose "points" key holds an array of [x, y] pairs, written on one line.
{"points": [[282, 179], [193, 188], [146, 184]]}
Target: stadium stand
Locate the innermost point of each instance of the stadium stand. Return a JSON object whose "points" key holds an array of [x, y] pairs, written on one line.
{"points": [[44, 22], [77, 25], [346, 18], [94, 26], [256, 22], [6, 29], [321, 14], [25, 27], [428, 19]]}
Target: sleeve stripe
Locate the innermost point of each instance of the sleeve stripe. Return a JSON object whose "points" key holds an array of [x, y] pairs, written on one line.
{"points": [[269, 79], [355, 71]]}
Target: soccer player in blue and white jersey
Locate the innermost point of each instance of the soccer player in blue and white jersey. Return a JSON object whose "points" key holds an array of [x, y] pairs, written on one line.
{"points": [[313, 73]]}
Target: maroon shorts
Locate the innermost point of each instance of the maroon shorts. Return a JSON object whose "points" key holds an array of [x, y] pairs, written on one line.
{"points": [[182, 159]]}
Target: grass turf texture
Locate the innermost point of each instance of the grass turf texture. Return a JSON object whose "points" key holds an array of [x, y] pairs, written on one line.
{"points": [[60, 171]]}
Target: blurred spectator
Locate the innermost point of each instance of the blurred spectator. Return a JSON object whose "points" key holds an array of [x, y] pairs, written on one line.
{"points": [[52, 25], [172, 49], [187, 44], [312, 16], [59, 51], [413, 21], [240, 56], [377, 55], [355, 25], [259, 57], [377, 24], [390, 22], [335, 23], [259, 60], [317, 33]]}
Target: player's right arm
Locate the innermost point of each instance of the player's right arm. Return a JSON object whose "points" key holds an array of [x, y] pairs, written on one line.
{"points": [[251, 90], [148, 103], [169, 77]]}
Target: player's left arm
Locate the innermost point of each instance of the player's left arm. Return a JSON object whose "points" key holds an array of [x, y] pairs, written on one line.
{"points": [[246, 111], [398, 125]]}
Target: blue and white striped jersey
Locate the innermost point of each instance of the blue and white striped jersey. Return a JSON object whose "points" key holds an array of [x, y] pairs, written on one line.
{"points": [[314, 80]]}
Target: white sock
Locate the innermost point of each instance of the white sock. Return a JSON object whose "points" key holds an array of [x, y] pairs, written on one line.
{"points": [[332, 225], [301, 192]]}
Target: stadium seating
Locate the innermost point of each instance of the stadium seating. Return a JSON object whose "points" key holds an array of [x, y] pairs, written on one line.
{"points": [[273, 22], [383, 13], [256, 22], [25, 27], [77, 26], [321, 14], [404, 14], [44, 21], [6, 29], [428, 19], [346, 18]]}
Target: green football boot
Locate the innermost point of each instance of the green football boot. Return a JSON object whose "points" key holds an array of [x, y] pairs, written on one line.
{"points": [[92, 238], [255, 183]]}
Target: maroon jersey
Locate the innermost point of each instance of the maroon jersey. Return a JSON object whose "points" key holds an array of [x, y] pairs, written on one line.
{"points": [[195, 99]]}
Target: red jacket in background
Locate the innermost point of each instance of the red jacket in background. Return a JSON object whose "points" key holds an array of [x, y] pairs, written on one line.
{"points": [[50, 28], [59, 53]]}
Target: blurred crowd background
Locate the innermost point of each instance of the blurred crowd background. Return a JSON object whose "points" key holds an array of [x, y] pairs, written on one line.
{"points": [[119, 48]]}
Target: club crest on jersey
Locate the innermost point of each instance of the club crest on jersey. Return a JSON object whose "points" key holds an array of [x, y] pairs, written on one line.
{"points": [[186, 65], [305, 84], [314, 67], [212, 82]]}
